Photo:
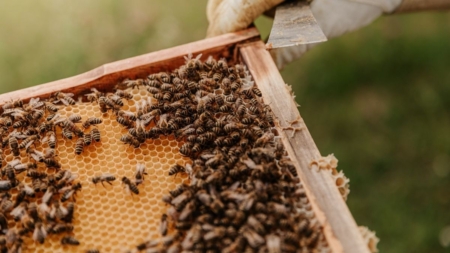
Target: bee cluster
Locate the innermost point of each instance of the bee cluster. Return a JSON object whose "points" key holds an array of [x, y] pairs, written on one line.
{"points": [[37, 195], [244, 194]]}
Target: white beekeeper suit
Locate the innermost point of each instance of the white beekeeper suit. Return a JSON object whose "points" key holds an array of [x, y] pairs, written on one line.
{"points": [[335, 17]]}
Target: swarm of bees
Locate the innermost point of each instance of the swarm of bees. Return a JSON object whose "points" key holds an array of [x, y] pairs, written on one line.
{"points": [[37, 196], [244, 194]]}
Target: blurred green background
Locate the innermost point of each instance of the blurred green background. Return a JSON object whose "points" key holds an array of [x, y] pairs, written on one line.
{"points": [[379, 98]]}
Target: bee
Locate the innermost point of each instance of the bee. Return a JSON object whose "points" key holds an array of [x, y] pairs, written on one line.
{"points": [[40, 233], [130, 186], [193, 64], [163, 77], [222, 65], [67, 124], [36, 174], [128, 139], [133, 83], [79, 146], [6, 121], [92, 251], [95, 133], [140, 172], [13, 104], [94, 95], [75, 118], [5, 185], [70, 192], [264, 139], [210, 63], [106, 177], [69, 215], [21, 123], [14, 145], [175, 169], [87, 139], [125, 122], [61, 228], [3, 222], [163, 225], [92, 121], [124, 94], [67, 133], [116, 99], [51, 108], [186, 148], [106, 103], [69, 240], [65, 98], [50, 138], [52, 163]]}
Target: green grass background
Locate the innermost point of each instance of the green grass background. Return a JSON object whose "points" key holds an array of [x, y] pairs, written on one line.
{"points": [[378, 98]]}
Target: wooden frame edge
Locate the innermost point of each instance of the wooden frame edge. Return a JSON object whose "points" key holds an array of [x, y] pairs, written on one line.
{"points": [[108, 74], [339, 226]]}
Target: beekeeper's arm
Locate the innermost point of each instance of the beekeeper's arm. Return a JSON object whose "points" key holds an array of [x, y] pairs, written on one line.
{"points": [[335, 17]]}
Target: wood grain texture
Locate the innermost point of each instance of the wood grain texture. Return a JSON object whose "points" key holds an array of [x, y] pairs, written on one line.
{"points": [[108, 75], [339, 226]]}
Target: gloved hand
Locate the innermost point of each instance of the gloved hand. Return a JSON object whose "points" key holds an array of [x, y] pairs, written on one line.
{"points": [[335, 17]]}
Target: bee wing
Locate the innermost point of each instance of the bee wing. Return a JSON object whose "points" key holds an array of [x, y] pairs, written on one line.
{"points": [[44, 208], [36, 157], [18, 211], [64, 101], [106, 175], [45, 139], [198, 57], [14, 162], [64, 189]]}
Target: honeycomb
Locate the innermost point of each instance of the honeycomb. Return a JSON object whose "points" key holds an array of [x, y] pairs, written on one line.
{"points": [[329, 163], [107, 218], [370, 238]]}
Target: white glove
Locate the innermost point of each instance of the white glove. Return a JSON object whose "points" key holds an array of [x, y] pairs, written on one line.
{"points": [[335, 17]]}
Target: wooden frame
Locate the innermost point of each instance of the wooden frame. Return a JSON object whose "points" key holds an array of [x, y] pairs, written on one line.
{"points": [[340, 228]]}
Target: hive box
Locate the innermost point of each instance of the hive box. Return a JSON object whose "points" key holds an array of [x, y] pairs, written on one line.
{"points": [[339, 227]]}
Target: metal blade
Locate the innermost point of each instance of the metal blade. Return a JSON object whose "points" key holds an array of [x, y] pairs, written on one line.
{"points": [[294, 24]]}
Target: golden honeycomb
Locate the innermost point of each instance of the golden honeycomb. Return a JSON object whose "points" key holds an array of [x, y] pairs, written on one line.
{"points": [[108, 218]]}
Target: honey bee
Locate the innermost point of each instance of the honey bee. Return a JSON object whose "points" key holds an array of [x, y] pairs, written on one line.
{"points": [[130, 186], [51, 108], [116, 99], [14, 145], [50, 138], [75, 118], [163, 77], [61, 228], [264, 139], [92, 121], [69, 215], [125, 122], [13, 104], [128, 139], [95, 133], [177, 191], [65, 98], [68, 193], [36, 174], [163, 225], [79, 146], [40, 233], [124, 94], [140, 172], [92, 251], [5, 185], [175, 169], [186, 148], [94, 95], [193, 64], [69, 240], [87, 139], [133, 83], [106, 177], [6, 121], [67, 133]]}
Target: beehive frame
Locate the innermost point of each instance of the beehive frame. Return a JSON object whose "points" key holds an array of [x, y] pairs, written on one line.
{"points": [[339, 226]]}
